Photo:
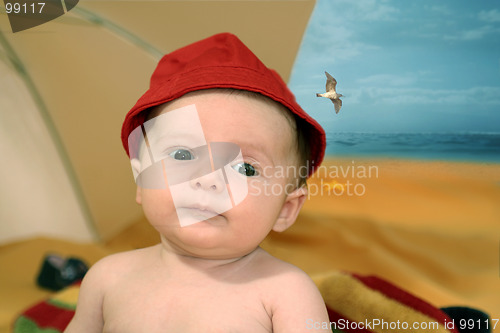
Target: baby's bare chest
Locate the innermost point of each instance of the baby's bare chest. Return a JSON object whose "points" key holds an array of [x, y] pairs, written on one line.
{"points": [[192, 306]]}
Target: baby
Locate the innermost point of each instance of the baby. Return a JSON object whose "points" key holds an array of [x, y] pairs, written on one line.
{"points": [[212, 144]]}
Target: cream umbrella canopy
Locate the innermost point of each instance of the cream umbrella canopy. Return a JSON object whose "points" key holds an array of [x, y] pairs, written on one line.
{"points": [[66, 86]]}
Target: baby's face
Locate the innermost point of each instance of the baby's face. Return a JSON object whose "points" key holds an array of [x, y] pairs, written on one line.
{"points": [[224, 213]]}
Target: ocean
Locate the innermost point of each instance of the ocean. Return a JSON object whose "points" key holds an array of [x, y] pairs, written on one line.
{"points": [[475, 147]]}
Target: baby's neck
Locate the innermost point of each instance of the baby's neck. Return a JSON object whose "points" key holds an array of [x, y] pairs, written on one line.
{"points": [[185, 264]]}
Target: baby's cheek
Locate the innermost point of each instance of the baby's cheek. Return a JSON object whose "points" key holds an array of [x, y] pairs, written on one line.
{"points": [[157, 205]]}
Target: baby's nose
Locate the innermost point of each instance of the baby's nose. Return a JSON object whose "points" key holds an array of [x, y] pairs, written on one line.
{"points": [[213, 181]]}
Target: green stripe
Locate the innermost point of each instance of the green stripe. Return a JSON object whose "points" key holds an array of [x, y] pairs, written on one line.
{"points": [[61, 304], [25, 325]]}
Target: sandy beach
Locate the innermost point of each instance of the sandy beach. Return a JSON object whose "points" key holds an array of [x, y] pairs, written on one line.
{"points": [[459, 197]]}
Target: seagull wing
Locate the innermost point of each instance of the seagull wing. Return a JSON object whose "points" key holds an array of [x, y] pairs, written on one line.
{"points": [[338, 104], [331, 83]]}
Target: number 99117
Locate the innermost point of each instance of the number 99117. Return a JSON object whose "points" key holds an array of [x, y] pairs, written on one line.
{"points": [[24, 8]]}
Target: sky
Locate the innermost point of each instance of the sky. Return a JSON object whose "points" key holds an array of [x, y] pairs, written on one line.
{"points": [[403, 66]]}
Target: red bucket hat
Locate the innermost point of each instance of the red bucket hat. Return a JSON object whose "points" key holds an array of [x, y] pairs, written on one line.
{"points": [[220, 61]]}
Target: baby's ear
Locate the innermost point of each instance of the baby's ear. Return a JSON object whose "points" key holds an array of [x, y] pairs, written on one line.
{"points": [[136, 169], [291, 208]]}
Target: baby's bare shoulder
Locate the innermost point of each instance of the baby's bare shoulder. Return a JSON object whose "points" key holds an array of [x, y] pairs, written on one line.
{"points": [[97, 282], [281, 273], [117, 265], [291, 297]]}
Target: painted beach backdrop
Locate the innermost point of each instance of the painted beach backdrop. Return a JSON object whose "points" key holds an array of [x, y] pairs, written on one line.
{"points": [[421, 106]]}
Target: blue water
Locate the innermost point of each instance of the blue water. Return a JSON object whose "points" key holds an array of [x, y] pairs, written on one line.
{"points": [[483, 147]]}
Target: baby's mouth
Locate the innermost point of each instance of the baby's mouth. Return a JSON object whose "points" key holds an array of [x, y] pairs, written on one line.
{"points": [[200, 210]]}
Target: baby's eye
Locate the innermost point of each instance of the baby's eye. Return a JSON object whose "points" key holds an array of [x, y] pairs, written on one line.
{"points": [[245, 169], [181, 154]]}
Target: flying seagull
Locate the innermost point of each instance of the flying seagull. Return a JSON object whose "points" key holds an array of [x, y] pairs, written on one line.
{"points": [[330, 93]]}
